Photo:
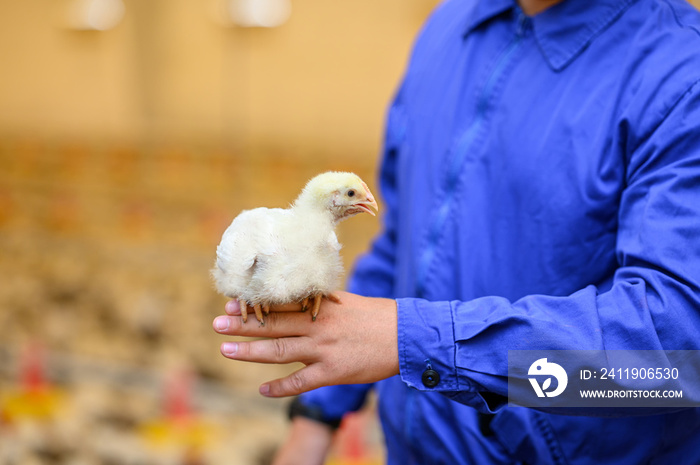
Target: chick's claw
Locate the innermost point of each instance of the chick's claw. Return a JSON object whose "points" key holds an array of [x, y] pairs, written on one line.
{"points": [[244, 309], [317, 305], [258, 313]]}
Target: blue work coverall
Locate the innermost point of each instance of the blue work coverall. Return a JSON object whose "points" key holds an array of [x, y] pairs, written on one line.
{"points": [[541, 177]]}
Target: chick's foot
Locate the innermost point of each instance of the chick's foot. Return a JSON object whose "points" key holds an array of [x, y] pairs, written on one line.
{"points": [[316, 307], [313, 302], [258, 313], [244, 309]]}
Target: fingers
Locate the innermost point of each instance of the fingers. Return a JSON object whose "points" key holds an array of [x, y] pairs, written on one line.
{"points": [[306, 379], [280, 350], [290, 336], [290, 307], [276, 325], [233, 308]]}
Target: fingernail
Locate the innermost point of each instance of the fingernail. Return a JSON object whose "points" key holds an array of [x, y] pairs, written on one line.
{"points": [[265, 389], [221, 323], [229, 348]]}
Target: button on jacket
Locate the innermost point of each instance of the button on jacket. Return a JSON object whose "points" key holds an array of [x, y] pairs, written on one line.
{"points": [[542, 182]]}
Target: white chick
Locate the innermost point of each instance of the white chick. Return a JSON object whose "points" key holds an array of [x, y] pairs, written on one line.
{"points": [[271, 256]]}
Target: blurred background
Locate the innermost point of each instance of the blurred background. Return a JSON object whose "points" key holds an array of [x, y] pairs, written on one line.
{"points": [[131, 133]]}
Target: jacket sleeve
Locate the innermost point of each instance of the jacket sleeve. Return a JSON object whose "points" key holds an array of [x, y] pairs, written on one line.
{"points": [[652, 302], [373, 274]]}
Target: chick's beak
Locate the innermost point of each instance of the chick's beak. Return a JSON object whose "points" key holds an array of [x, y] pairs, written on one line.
{"points": [[367, 202]]}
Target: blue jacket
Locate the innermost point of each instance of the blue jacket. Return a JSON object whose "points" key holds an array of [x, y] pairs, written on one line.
{"points": [[542, 183]]}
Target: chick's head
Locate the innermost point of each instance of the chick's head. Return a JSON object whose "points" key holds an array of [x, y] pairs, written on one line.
{"points": [[342, 194]]}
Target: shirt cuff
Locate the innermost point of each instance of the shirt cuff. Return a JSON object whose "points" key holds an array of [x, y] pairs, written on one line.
{"points": [[331, 403], [427, 345], [428, 354]]}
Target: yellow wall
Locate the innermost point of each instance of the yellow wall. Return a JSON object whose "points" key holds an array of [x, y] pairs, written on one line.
{"points": [[169, 71]]}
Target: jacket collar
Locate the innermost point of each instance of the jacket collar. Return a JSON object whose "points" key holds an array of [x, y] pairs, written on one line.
{"points": [[485, 10], [562, 31]]}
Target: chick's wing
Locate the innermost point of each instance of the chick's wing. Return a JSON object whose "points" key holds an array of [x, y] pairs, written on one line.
{"points": [[252, 233]]}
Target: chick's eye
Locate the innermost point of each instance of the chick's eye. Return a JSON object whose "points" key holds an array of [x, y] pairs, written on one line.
{"points": [[351, 193]]}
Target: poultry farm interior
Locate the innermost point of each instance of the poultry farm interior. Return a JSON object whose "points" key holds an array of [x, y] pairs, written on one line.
{"points": [[131, 133], [107, 309]]}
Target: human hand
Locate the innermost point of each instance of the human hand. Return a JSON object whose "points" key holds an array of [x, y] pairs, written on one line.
{"points": [[351, 342]]}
